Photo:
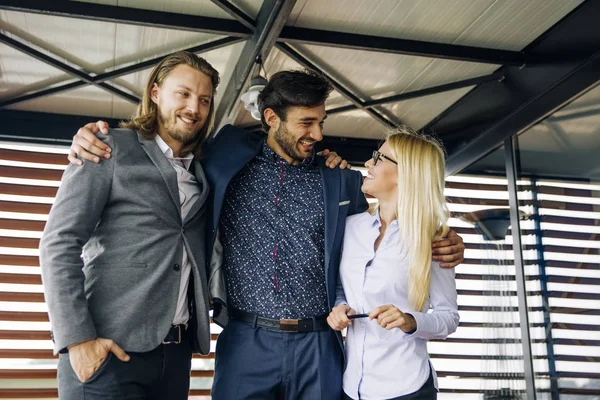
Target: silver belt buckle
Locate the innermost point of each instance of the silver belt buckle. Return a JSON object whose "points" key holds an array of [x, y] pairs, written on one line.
{"points": [[178, 336], [288, 325]]}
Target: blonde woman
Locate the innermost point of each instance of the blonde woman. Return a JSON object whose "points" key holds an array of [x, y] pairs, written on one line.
{"points": [[387, 275]]}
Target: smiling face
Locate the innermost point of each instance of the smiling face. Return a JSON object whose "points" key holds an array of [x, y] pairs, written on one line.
{"points": [[183, 101], [382, 178], [294, 139]]}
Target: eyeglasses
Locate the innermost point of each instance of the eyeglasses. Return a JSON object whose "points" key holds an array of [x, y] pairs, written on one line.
{"points": [[378, 156]]}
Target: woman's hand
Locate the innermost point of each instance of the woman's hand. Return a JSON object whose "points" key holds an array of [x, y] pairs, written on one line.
{"points": [[338, 317], [390, 317]]}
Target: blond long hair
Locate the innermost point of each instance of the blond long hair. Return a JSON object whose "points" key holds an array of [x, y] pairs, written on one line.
{"points": [[145, 118], [421, 211]]}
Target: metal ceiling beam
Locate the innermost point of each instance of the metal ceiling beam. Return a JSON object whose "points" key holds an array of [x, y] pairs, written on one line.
{"points": [[575, 115], [23, 125], [236, 13], [66, 68], [511, 157], [41, 127], [480, 121], [353, 41], [347, 94], [559, 135], [242, 27], [422, 92], [42, 93], [202, 48], [128, 15], [270, 21], [118, 72], [539, 106]]}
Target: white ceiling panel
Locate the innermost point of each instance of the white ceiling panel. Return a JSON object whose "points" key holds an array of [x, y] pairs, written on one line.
{"points": [[88, 100], [417, 112], [576, 135], [223, 60], [354, 124], [135, 43], [98, 46], [20, 73], [250, 7], [376, 76], [97, 102], [498, 24], [278, 61], [95, 47], [83, 42], [205, 8], [589, 102]]}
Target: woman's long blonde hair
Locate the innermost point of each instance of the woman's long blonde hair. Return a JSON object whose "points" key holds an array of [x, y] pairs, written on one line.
{"points": [[145, 118], [422, 211]]}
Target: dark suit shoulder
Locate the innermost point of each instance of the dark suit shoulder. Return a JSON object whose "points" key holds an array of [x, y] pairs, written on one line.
{"points": [[231, 135], [350, 174]]}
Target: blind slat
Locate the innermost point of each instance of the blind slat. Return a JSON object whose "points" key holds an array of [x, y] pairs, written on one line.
{"points": [[33, 157], [22, 224], [28, 316], [27, 208], [30, 173], [21, 243], [28, 190], [25, 261], [22, 279]]}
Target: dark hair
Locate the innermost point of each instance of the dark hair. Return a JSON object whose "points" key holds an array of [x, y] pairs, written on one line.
{"points": [[145, 118], [299, 88]]}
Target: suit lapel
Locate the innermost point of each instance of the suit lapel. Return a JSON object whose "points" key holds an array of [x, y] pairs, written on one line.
{"points": [[225, 164], [331, 197], [203, 184], [164, 167]]}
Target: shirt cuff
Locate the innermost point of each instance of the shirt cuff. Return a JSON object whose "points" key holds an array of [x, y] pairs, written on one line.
{"points": [[418, 321], [340, 301]]}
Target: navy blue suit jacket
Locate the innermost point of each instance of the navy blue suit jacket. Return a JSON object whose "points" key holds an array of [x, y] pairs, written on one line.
{"points": [[233, 148]]}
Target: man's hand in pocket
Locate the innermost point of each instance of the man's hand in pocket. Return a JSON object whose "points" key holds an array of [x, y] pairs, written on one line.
{"points": [[86, 357]]}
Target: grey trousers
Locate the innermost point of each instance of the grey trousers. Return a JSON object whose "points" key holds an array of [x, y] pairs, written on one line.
{"points": [[163, 373]]}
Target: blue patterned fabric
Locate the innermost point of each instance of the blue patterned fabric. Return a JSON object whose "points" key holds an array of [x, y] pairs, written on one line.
{"points": [[272, 228]]}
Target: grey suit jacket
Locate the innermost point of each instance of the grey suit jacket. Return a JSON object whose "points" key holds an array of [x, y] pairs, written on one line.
{"points": [[125, 215]]}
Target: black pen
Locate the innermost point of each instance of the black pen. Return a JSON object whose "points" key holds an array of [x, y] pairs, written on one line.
{"points": [[354, 316]]}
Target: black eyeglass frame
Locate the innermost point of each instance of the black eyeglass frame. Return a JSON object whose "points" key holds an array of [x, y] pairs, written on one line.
{"points": [[377, 155]]}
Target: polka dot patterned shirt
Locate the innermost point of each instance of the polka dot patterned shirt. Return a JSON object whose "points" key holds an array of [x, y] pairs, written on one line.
{"points": [[273, 234]]}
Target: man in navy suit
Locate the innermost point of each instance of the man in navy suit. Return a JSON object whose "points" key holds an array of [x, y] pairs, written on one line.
{"points": [[280, 214], [276, 221]]}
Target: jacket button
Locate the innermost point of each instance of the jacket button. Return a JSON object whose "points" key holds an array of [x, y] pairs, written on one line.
{"points": [[176, 267]]}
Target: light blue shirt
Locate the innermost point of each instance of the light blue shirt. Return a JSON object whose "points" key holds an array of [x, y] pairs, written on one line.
{"points": [[384, 364]]}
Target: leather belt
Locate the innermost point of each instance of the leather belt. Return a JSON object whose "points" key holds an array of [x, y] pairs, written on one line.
{"points": [[176, 334], [282, 325]]}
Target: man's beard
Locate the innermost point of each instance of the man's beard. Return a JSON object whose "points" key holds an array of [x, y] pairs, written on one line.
{"points": [[181, 135], [288, 143]]}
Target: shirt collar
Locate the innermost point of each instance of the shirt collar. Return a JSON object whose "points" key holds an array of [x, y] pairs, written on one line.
{"points": [[168, 152], [375, 221], [269, 154]]}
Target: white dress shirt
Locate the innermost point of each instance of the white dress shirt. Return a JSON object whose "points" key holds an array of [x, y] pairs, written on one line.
{"points": [[188, 192], [384, 364]]}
